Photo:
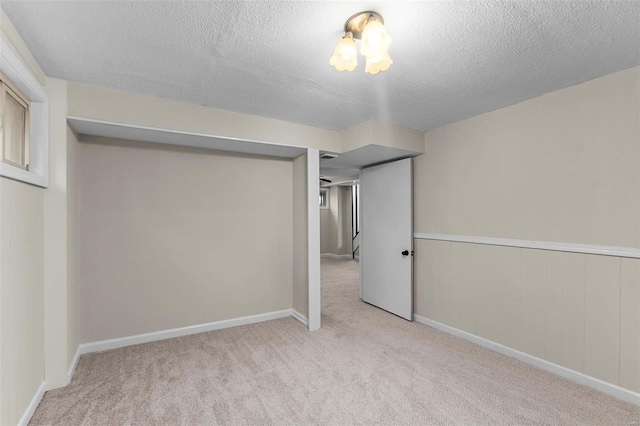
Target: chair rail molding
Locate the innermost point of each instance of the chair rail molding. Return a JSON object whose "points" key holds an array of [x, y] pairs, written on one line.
{"points": [[532, 244]]}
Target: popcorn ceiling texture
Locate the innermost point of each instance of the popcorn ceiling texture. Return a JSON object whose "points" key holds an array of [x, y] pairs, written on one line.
{"points": [[452, 60]]}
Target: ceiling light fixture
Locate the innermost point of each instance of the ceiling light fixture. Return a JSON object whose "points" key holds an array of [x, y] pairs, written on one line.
{"points": [[368, 27]]}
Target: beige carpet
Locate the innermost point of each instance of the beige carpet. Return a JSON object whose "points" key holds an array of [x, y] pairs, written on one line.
{"points": [[364, 367]]}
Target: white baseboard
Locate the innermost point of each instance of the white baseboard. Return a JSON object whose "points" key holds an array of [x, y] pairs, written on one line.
{"points": [[336, 256], [559, 370], [31, 408], [121, 342], [74, 364], [297, 315]]}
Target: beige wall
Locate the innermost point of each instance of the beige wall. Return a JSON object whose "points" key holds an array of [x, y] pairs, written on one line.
{"points": [[396, 136], [563, 167], [300, 237], [357, 136], [335, 222], [377, 132], [120, 107], [55, 240], [21, 297], [329, 223], [172, 237], [22, 271], [345, 201], [110, 105], [73, 313]]}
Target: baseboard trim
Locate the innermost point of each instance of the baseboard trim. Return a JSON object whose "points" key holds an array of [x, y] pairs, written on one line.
{"points": [[31, 408], [336, 256], [297, 315], [74, 364], [155, 336], [559, 370]]}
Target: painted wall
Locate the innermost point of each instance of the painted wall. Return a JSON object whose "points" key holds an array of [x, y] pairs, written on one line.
{"points": [[22, 274], [22, 360], [378, 132], [33, 277], [171, 237], [345, 200], [73, 313], [329, 223], [300, 237], [563, 167], [120, 107], [110, 105], [55, 240], [335, 222]]}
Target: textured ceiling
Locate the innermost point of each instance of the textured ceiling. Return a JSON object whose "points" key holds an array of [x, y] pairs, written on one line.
{"points": [[452, 60]]}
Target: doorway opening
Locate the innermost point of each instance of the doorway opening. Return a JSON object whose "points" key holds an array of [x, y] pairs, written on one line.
{"points": [[365, 209], [339, 204]]}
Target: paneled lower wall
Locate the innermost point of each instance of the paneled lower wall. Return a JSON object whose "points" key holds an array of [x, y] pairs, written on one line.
{"points": [[22, 358], [580, 311]]}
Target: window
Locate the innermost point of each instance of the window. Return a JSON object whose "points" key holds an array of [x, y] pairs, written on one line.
{"points": [[24, 128], [14, 125], [324, 198]]}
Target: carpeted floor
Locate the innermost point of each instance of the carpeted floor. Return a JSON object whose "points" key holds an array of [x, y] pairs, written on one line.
{"points": [[364, 366]]}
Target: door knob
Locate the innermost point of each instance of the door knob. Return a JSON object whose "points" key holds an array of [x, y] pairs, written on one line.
{"points": [[405, 253]]}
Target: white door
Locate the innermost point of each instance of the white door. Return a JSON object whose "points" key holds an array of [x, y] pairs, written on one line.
{"points": [[386, 247]]}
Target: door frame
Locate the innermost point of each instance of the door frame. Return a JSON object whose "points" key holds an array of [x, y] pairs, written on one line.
{"points": [[313, 213], [363, 237]]}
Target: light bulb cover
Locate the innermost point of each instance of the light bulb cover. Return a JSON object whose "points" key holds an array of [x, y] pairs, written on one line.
{"points": [[345, 55], [375, 39], [377, 63]]}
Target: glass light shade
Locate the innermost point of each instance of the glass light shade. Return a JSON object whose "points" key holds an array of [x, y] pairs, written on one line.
{"points": [[375, 39], [345, 55], [377, 63]]}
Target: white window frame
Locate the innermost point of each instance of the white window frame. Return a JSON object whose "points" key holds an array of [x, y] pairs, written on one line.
{"points": [[328, 192], [28, 85], [8, 89]]}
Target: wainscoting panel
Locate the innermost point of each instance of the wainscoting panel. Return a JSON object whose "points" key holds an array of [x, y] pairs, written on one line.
{"points": [[602, 318], [553, 348], [573, 269], [463, 286], [630, 324], [506, 294], [434, 298], [485, 298], [577, 310], [533, 303]]}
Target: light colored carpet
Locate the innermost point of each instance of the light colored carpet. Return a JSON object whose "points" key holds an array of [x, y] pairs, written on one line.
{"points": [[364, 366]]}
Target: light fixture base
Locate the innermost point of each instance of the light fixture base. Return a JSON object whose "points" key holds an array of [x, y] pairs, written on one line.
{"points": [[356, 23]]}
